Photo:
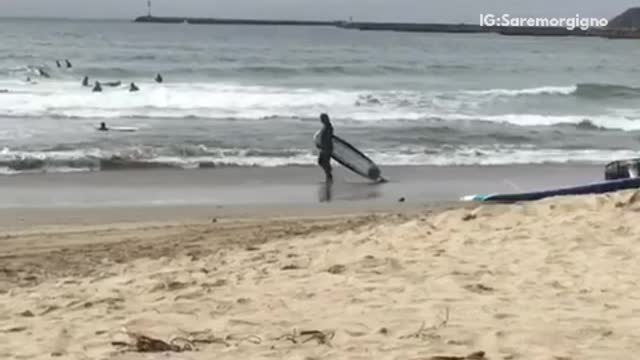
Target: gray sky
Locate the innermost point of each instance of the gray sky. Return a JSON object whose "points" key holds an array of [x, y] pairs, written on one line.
{"points": [[380, 10]]}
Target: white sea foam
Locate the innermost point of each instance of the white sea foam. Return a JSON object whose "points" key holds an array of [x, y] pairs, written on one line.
{"points": [[543, 90], [223, 101], [12, 162]]}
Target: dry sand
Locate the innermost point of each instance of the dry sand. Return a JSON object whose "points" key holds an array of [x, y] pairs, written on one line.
{"points": [[555, 279]]}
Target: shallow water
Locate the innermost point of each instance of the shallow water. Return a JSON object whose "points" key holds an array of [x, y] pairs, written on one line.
{"points": [[245, 96]]}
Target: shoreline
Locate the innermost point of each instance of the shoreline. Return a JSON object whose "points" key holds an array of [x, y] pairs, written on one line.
{"points": [[284, 187]]}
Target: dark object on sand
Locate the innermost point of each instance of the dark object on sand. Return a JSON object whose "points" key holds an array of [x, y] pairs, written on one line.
{"points": [[133, 87], [69, 66], [478, 355], [622, 169], [145, 344], [159, 78], [97, 87], [85, 81]]}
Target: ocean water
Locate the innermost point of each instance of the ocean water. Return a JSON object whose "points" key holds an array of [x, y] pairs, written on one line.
{"points": [[251, 96]]}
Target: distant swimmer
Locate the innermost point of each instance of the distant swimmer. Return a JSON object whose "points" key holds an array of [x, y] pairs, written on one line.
{"points": [[97, 87], [159, 79], [326, 147], [85, 81], [68, 63], [58, 63], [103, 127], [43, 73], [134, 87]]}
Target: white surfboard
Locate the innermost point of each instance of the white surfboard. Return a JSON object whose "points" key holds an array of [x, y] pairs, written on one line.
{"points": [[352, 158]]}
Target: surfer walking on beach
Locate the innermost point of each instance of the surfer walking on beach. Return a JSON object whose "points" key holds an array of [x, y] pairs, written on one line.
{"points": [[326, 147]]}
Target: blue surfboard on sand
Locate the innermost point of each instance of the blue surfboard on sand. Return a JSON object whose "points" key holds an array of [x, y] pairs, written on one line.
{"points": [[594, 188]]}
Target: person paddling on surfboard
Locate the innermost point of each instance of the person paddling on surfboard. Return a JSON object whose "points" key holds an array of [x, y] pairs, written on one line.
{"points": [[326, 147], [103, 127]]}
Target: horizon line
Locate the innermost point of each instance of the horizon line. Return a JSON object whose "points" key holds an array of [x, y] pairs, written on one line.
{"points": [[38, 17]]}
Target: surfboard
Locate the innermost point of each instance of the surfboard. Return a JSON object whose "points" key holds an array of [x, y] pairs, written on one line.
{"points": [[352, 158], [123, 129], [120, 129], [112, 83], [594, 188]]}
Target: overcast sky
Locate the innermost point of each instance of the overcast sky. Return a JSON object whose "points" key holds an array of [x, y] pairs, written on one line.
{"points": [[380, 10]]}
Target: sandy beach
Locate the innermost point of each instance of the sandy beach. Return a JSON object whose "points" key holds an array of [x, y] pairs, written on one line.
{"points": [[555, 279]]}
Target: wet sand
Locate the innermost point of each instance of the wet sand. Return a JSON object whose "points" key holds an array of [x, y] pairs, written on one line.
{"points": [[289, 186]]}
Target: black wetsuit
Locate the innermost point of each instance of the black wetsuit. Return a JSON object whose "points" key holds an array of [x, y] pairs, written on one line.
{"points": [[326, 150]]}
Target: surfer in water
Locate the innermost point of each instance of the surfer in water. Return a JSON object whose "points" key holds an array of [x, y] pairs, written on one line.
{"points": [[103, 127], [133, 88], [43, 73], [58, 63], [326, 147], [97, 87], [159, 79], [69, 66], [85, 81]]}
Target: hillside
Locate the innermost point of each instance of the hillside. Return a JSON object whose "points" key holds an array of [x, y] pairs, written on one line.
{"points": [[630, 19]]}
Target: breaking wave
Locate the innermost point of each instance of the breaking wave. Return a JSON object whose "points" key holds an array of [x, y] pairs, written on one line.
{"points": [[15, 162], [66, 100]]}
